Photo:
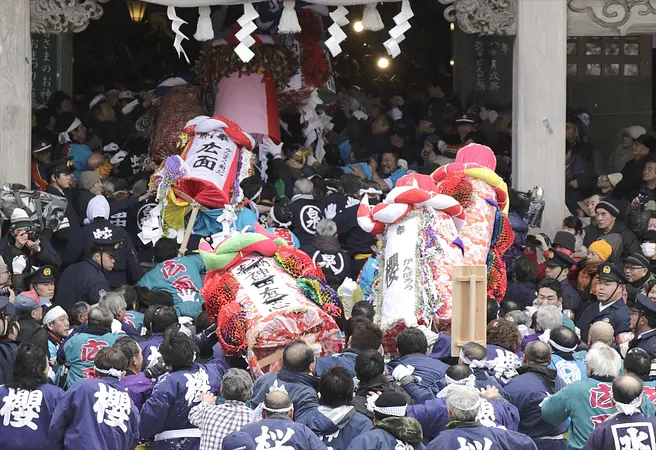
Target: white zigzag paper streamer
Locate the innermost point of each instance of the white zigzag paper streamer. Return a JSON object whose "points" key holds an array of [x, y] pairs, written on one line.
{"points": [[337, 35], [176, 23], [247, 24], [397, 33]]}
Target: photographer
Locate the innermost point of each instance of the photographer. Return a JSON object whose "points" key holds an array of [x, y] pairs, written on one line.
{"points": [[642, 208], [24, 247]]}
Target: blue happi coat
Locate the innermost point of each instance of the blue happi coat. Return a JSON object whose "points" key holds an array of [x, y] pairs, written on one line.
{"points": [[150, 350], [622, 432], [95, 413], [476, 436], [430, 370], [134, 318], [167, 408], [278, 431], [527, 391], [337, 427], [483, 380], [379, 439], [81, 350], [505, 362], [433, 416], [345, 360], [138, 386], [301, 387], [25, 417], [177, 275], [569, 369]]}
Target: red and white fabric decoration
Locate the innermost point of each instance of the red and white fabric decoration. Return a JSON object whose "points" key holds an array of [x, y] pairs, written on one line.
{"points": [[400, 201], [337, 35], [397, 33]]}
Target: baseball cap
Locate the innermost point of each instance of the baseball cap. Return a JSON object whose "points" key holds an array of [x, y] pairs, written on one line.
{"points": [[29, 300], [6, 306]]}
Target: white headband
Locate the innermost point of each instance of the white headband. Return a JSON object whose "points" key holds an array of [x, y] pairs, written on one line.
{"points": [[469, 381], [276, 221], [475, 363], [370, 191], [629, 408], [111, 372], [398, 411], [256, 195], [64, 138], [279, 410], [97, 99], [51, 315], [561, 348]]}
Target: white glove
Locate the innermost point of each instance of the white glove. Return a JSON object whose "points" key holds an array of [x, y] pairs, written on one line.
{"points": [[186, 321], [118, 157], [403, 164], [492, 115], [188, 296], [441, 146], [270, 147], [18, 264], [331, 211], [401, 371], [360, 115], [396, 114], [348, 287], [111, 147]]}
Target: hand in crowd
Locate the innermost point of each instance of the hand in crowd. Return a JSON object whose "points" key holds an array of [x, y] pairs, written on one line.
{"points": [[21, 238], [209, 398], [490, 392], [33, 246], [19, 264]]}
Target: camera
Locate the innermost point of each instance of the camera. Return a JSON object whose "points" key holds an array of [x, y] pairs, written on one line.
{"points": [[4, 291], [33, 234]]}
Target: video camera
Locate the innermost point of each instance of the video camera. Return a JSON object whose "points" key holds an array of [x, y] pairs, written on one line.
{"points": [[45, 210]]}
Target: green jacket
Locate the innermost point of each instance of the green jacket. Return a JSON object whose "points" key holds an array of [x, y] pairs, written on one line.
{"points": [[587, 403]]}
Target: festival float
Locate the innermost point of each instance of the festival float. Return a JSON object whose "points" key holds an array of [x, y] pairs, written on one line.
{"points": [[428, 224], [264, 294]]}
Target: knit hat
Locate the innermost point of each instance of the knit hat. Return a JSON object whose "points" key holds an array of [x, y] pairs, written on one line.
{"points": [[601, 248], [20, 219], [88, 179], [610, 206], [565, 240], [614, 178]]}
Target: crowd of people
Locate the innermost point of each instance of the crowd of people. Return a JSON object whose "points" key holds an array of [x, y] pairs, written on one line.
{"points": [[105, 343]]}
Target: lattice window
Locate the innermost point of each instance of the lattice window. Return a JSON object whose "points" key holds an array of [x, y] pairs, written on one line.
{"points": [[610, 56]]}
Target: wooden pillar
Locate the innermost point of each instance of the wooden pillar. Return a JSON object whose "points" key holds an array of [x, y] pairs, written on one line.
{"points": [[15, 87], [539, 103]]}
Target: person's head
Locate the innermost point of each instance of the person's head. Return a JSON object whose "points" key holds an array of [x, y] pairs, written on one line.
{"points": [[537, 353], [368, 365], [504, 334], [160, 318], [366, 336], [148, 298], [298, 356], [29, 305], [335, 387], [548, 317], [628, 390], [350, 185], [129, 295], [359, 153], [550, 292], [389, 162], [493, 310], [277, 403], [165, 249], [644, 145], [520, 318], [178, 348], [303, 187], [102, 111], [610, 283], [428, 125], [90, 181], [649, 172], [110, 362], [61, 102], [509, 305], [601, 332], [98, 207], [573, 225], [524, 271], [30, 368], [636, 267], [637, 362], [237, 385], [563, 339], [79, 313], [598, 252], [252, 188], [132, 352], [20, 224], [462, 404], [382, 124], [458, 372], [389, 404], [606, 213], [280, 216], [70, 128], [590, 204], [412, 341], [100, 318], [55, 320], [602, 361], [42, 281], [326, 228], [571, 132], [472, 351], [363, 309], [102, 258], [114, 303], [465, 126]]}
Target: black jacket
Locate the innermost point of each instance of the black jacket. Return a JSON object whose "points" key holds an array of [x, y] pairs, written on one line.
{"points": [[81, 282], [60, 237], [630, 243], [32, 332], [381, 383], [8, 351], [353, 239], [46, 256], [307, 212], [327, 254]]}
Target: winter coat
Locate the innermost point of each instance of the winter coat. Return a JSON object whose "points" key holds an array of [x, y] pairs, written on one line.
{"points": [[630, 243], [81, 282], [177, 275], [352, 238], [379, 383], [32, 332], [138, 386], [306, 214], [33, 432], [616, 314], [46, 256], [473, 435], [150, 350], [587, 403], [345, 360], [391, 433], [337, 427], [75, 424], [63, 234], [621, 155], [616, 433], [327, 254], [523, 293], [527, 391], [81, 349], [8, 351], [637, 219], [430, 370], [173, 396], [301, 387]]}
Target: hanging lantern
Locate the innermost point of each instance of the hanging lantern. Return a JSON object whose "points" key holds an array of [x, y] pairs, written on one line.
{"points": [[137, 9]]}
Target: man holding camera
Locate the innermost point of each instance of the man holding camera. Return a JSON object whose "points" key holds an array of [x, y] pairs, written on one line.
{"points": [[23, 248]]}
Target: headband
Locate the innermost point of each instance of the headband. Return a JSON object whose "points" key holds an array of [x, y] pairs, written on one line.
{"points": [[51, 315], [278, 410], [276, 221], [64, 138], [561, 348], [370, 191], [256, 195], [97, 99], [397, 411], [475, 363], [111, 372], [469, 381], [629, 408]]}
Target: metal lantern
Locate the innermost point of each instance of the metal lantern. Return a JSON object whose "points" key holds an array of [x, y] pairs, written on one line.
{"points": [[137, 9]]}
